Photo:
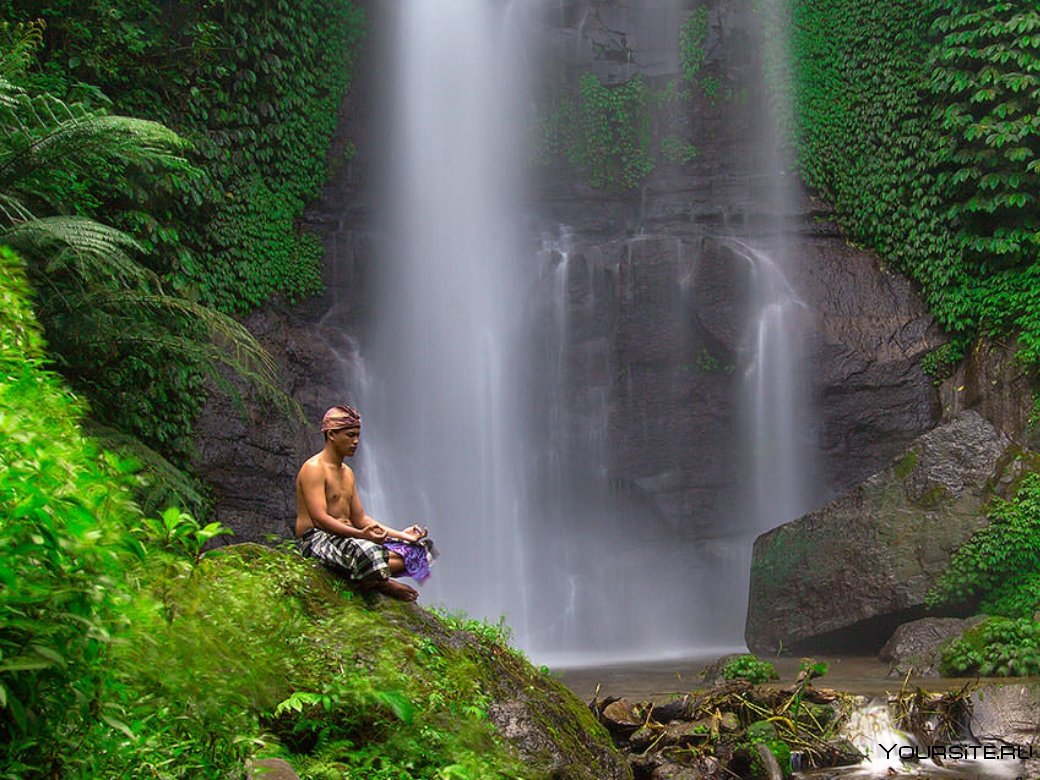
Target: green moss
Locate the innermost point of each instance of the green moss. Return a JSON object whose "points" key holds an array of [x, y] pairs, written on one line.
{"points": [[932, 499], [786, 554], [264, 642], [750, 668], [905, 465]]}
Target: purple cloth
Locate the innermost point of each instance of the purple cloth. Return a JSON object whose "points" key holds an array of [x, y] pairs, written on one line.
{"points": [[416, 561]]}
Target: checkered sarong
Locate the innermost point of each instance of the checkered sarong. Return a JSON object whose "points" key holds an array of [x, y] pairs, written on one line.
{"points": [[358, 559]]}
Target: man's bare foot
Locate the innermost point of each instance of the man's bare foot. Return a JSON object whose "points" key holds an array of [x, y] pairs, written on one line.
{"points": [[396, 590]]}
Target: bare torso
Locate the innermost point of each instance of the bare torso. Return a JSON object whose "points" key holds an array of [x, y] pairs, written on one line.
{"points": [[339, 490]]}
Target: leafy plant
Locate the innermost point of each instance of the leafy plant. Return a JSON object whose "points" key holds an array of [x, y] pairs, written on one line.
{"points": [[692, 36], [64, 508], [1000, 564], [221, 233], [491, 633], [918, 122], [108, 317], [940, 363], [750, 668], [999, 647]]}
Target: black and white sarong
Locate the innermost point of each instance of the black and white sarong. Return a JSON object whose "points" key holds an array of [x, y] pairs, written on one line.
{"points": [[358, 559]]}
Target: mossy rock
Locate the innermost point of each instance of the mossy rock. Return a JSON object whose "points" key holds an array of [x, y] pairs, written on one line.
{"points": [[400, 683]]}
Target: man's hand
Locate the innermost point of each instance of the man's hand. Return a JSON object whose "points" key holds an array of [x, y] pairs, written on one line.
{"points": [[375, 533], [416, 532]]}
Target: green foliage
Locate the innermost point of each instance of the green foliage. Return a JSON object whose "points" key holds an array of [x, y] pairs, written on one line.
{"points": [[941, 362], [764, 732], [707, 363], [63, 507], [919, 121], [113, 328], [999, 647], [126, 652], [616, 135], [677, 151], [986, 77], [692, 35], [255, 86], [490, 633], [604, 131], [1000, 564], [749, 668]]}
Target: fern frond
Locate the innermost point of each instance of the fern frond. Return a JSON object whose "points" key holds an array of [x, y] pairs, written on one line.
{"points": [[18, 46], [12, 210], [230, 344], [164, 484], [97, 252], [42, 131]]}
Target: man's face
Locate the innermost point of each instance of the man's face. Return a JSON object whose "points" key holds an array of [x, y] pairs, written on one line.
{"points": [[346, 439]]}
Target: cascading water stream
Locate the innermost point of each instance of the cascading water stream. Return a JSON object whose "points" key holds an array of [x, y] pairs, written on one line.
{"points": [[779, 437], [889, 752], [441, 389]]}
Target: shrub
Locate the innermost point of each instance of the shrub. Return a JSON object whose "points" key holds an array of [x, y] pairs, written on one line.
{"points": [[999, 647], [749, 668]]}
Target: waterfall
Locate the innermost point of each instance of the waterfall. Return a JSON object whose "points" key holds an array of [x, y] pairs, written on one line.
{"points": [[441, 382], [778, 420], [482, 421]]}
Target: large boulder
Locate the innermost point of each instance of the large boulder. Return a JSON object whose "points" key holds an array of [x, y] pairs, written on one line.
{"points": [[1006, 713], [843, 577]]}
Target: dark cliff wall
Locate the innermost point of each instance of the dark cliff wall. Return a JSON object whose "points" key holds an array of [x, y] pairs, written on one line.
{"points": [[655, 298]]}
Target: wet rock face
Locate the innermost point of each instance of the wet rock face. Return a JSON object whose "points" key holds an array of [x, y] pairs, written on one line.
{"points": [[1006, 714], [843, 577], [661, 303]]}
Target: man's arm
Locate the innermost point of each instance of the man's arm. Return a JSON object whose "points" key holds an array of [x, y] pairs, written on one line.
{"points": [[411, 534], [312, 488], [371, 529]]}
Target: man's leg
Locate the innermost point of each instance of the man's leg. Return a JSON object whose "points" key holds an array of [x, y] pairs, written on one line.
{"points": [[390, 587], [396, 564], [366, 563]]}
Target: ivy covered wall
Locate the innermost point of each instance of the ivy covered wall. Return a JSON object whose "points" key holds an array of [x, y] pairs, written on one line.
{"points": [[254, 85], [255, 88], [920, 122]]}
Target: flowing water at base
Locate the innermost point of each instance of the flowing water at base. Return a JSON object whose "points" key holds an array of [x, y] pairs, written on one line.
{"points": [[870, 729], [659, 680]]}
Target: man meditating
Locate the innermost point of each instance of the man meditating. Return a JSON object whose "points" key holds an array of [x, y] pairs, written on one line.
{"points": [[332, 526]]}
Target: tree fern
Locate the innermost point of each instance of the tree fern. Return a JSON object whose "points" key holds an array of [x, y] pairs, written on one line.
{"points": [[109, 321]]}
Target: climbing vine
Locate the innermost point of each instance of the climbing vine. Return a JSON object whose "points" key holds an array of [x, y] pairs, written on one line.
{"points": [[919, 122], [254, 87], [604, 131], [692, 35], [616, 135], [999, 565]]}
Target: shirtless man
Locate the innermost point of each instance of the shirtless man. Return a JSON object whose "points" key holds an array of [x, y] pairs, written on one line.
{"points": [[332, 526]]}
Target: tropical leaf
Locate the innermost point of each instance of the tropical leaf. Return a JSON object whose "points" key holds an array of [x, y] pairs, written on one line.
{"points": [[98, 253]]}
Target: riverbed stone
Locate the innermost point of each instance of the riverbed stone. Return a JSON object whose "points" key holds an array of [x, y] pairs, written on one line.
{"points": [[843, 577], [914, 647], [678, 772], [1008, 713]]}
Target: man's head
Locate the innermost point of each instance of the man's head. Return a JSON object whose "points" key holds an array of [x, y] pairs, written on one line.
{"points": [[341, 422]]}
